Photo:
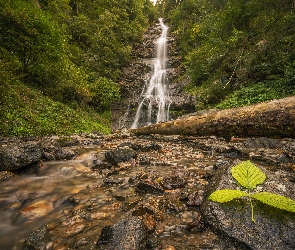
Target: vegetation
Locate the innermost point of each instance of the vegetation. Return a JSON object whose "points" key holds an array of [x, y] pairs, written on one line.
{"points": [[235, 49], [60, 60], [248, 176]]}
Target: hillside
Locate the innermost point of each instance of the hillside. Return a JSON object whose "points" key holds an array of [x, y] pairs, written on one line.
{"points": [[60, 60], [235, 52]]}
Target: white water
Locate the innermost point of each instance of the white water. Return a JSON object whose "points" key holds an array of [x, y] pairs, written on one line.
{"points": [[156, 99]]}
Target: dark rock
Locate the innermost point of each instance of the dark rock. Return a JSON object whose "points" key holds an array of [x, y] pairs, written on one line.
{"points": [[15, 156], [173, 182], [195, 199], [136, 147], [53, 151], [4, 175], [36, 240], [149, 187], [120, 155], [262, 142], [151, 147], [106, 235], [129, 234], [112, 181], [273, 229]]}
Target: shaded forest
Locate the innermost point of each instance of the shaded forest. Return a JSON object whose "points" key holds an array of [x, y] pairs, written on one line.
{"points": [[60, 59]]}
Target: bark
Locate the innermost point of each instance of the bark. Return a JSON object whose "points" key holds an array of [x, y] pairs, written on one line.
{"points": [[272, 119]]}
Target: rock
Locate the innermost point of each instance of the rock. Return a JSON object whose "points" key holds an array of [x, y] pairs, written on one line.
{"points": [[262, 142], [173, 182], [4, 175], [148, 186], [273, 229], [53, 151], [120, 155], [129, 234], [106, 235], [15, 156], [36, 240]]}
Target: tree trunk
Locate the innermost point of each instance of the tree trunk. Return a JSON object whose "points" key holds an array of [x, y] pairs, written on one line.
{"points": [[272, 119]]}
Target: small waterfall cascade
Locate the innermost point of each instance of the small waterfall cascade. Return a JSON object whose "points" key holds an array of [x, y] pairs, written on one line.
{"points": [[155, 101]]}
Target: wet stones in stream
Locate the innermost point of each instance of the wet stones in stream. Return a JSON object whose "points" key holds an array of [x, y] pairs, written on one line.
{"points": [[151, 193]]}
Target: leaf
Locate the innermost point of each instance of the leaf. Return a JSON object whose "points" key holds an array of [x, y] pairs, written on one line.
{"points": [[275, 200], [226, 195], [248, 175]]}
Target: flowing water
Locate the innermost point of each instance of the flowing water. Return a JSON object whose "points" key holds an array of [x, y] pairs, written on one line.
{"points": [[155, 103], [76, 197]]}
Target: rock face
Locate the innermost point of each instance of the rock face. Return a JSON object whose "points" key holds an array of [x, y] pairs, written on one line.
{"points": [[273, 119], [137, 74], [273, 229], [15, 156]]}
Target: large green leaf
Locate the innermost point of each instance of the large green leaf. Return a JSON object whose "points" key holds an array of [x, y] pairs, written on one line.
{"points": [[248, 175], [226, 195], [275, 200]]}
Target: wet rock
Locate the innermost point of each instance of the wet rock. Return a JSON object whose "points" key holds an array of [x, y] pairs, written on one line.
{"points": [[67, 141], [134, 146], [53, 151], [129, 234], [273, 229], [195, 199], [151, 147], [173, 182], [148, 186], [36, 240], [4, 175], [147, 209], [74, 229], [120, 155], [112, 181], [15, 156], [106, 236], [262, 142]]}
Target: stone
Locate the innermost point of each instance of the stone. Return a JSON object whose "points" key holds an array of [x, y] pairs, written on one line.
{"points": [[273, 229], [36, 240], [148, 186], [15, 156], [129, 234], [120, 155]]}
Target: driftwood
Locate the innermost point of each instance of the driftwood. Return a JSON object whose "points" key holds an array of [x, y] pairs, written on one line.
{"points": [[272, 119]]}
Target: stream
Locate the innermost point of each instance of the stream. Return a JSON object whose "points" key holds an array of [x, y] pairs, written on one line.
{"points": [[75, 199]]}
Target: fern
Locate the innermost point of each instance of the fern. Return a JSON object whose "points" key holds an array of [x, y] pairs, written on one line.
{"points": [[249, 176]]}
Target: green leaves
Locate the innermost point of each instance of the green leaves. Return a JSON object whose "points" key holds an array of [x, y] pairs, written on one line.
{"points": [[275, 200], [248, 175], [226, 195]]}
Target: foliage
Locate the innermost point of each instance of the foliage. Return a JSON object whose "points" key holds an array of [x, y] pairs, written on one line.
{"points": [[26, 111], [248, 176], [236, 42], [70, 51]]}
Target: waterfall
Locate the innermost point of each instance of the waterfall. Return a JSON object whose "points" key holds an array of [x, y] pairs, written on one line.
{"points": [[155, 101]]}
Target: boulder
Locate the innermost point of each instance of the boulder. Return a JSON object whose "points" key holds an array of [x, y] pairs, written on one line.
{"points": [[120, 154], [273, 228], [129, 234], [15, 156]]}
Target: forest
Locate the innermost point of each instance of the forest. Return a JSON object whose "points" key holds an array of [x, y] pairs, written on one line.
{"points": [[60, 60]]}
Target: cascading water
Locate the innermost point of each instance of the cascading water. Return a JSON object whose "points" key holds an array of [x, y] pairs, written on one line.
{"points": [[155, 103]]}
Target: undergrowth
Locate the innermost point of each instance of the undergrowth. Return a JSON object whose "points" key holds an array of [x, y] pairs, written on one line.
{"points": [[27, 112], [256, 93]]}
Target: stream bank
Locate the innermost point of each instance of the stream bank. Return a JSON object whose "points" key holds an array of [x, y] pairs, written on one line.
{"points": [[151, 190]]}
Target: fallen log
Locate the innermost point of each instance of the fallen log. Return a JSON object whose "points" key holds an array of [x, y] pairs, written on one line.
{"points": [[274, 119]]}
